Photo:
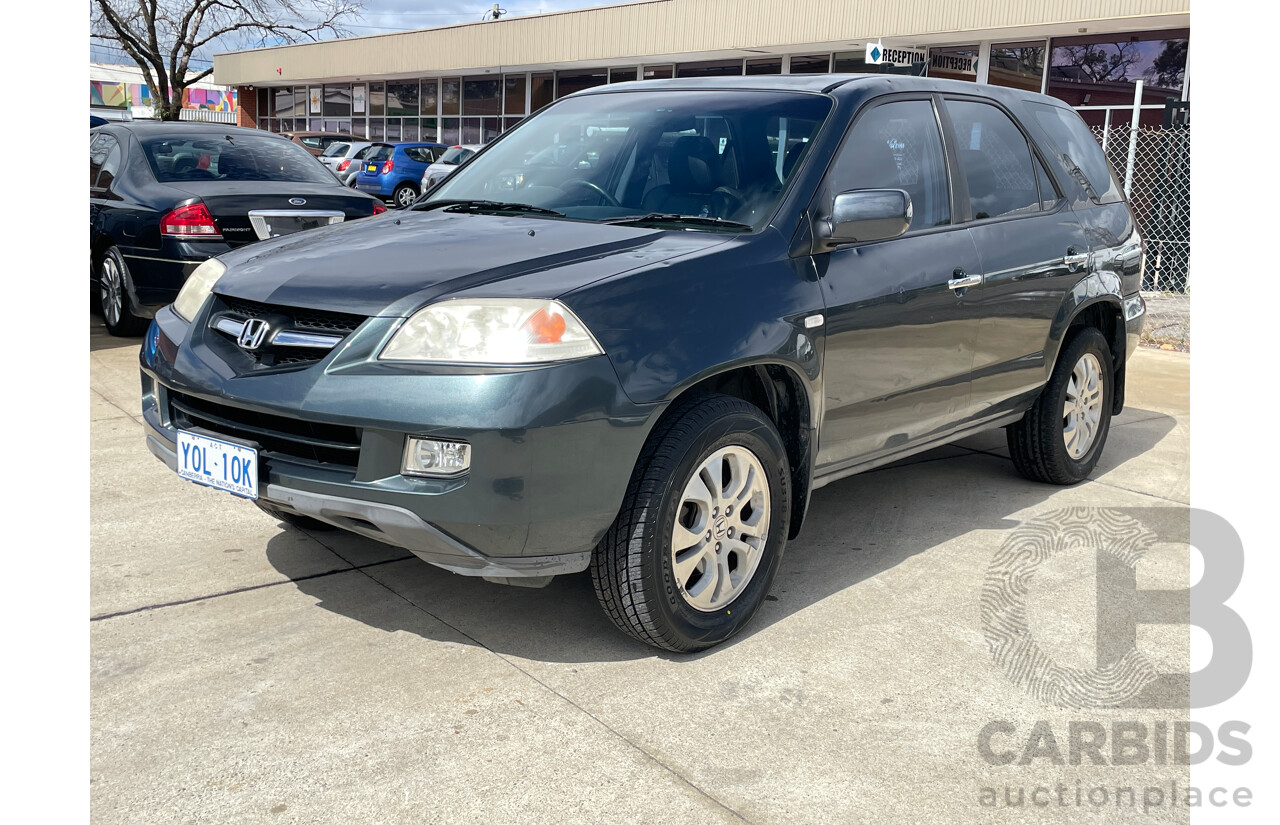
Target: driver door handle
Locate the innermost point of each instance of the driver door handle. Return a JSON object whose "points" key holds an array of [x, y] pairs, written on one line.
{"points": [[959, 280], [1074, 259]]}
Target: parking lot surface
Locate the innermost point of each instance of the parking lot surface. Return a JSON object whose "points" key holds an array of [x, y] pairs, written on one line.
{"points": [[246, 671]]}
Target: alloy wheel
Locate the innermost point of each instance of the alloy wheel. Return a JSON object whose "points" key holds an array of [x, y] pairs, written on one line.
{"points": [[1082, 409], [111, 291], [721, 526]]}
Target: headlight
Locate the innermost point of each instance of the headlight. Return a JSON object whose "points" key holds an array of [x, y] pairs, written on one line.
{"points": [[197, 288], [492, 331]]}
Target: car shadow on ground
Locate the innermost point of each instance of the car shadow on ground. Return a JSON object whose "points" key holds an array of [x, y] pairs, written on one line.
{"points": [[100, 339], [856, 528]]}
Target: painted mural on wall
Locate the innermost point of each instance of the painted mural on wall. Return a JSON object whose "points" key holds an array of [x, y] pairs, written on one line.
{"points": [[124, 95]]}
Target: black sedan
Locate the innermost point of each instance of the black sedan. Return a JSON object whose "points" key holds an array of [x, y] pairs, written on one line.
{"points": [[164, 197]]}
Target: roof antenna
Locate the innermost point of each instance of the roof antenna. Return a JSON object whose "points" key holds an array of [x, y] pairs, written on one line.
{"points": [[494, 13]]}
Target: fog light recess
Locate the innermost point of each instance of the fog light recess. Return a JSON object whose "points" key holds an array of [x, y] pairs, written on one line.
{"points": [[434, 458]]}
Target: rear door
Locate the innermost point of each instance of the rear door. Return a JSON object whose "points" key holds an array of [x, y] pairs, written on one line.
{"points": [[899, 338], [1030, 244]]}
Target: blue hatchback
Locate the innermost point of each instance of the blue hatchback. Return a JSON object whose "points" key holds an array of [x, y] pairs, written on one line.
{"points": [[395, 172]]}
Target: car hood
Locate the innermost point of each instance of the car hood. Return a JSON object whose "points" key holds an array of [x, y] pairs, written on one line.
{"points": [[397, 262]]}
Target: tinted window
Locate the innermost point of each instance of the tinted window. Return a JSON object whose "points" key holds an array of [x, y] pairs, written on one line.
{"points": [[1074, 145], [336, 150], [422, 154], [110, 166], [231, 157], [1048, 192], [994, 159], [98, 148], [313, 142], [898, 146], [380, 152]]}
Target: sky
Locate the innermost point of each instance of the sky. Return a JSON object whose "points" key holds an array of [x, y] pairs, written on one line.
{"points": [[380, 16]]}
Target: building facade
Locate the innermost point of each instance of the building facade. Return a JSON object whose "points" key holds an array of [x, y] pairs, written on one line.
{"points": [[469, 83]]}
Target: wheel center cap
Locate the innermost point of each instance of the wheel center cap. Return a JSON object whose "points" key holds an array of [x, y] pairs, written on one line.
{"points": [[720, 527]]}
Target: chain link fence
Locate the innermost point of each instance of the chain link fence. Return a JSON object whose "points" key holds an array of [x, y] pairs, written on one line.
{"points": [[1154, 166]]}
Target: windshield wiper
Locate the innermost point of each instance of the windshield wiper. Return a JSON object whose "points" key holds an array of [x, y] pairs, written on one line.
{"points": [[486, 206], [665, 218]]}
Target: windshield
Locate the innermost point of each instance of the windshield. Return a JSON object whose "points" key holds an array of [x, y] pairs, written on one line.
{"points": [[236, 157], [335, 149], [706, 154], [455, 155]]}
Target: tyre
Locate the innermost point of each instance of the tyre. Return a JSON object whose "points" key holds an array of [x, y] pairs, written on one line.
{"points": [[113, 296], [1061, 437], [702, 529], [292, 519], [405, 194]]}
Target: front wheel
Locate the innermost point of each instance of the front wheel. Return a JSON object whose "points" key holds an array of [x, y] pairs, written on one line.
{"points": [[692, 553], [405, 194], [1060, 439], [113, 296]]}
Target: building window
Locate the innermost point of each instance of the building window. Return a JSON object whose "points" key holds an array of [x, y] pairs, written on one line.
{"points": [[710, 68], [377, 99], [377, 128], [541, 90], [912, 62], [450, 96], [765, 65], [430, 130], [482, 96], [810, 64], [402, 99], [1017, 65], [657, 73], [622, 75], [510, 123], [393, 129], [449, 131], [1101, 71], [954, 62], [575, 81], [429, 102], [337, 100], [409, 129], [514, 87]]}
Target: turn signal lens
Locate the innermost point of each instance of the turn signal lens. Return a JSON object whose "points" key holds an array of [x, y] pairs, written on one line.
{"points": [[496, 331], [545, 327]]}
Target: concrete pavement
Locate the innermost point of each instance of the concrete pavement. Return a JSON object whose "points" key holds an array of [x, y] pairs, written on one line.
{"points": [[244, 671]]}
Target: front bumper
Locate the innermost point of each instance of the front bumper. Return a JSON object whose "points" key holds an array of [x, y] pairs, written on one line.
{"points": [[552, 448]]}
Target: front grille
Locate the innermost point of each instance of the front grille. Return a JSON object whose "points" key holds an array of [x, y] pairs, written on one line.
{"points": [[293, 437], [339, 324]]}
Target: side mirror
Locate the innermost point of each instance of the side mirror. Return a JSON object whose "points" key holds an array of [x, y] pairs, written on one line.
{"points": [[864, 215]]}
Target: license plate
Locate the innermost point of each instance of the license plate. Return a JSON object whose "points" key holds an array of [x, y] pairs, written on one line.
{"points": [[220, 464], [373, 167]]}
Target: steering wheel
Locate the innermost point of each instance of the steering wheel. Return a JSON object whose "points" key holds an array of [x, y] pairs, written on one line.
{"points": [[596, 190]]}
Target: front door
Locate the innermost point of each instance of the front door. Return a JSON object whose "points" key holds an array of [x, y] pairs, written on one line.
{"points": [[899, 342]]}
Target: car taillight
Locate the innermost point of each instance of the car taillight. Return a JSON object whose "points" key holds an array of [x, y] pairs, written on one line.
{"points": [[378, 208], [190, 221], [388, 166], [342, 167]]}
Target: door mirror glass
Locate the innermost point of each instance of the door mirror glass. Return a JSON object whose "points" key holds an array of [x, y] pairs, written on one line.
{"points": [[865, 215]]}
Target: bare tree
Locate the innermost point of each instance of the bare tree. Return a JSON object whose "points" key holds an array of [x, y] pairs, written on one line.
{"points": [[162, 35], [1100, 62]]}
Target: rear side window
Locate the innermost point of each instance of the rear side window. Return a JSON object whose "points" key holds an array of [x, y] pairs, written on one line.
{"points": [[311, 142], [995, 160], [97, 154], [422, 154], [1075, 148], [897, 146], [104, 160], [110, 166]]}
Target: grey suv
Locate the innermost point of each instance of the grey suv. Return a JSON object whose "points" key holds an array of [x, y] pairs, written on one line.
{"points": [[636, 332]]}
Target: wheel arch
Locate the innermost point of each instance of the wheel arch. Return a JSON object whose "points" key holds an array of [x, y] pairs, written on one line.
{"points": [[1094, 302], [781, 391]]}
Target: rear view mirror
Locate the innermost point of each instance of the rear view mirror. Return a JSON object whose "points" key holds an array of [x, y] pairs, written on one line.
{"points": [[864, 215]]}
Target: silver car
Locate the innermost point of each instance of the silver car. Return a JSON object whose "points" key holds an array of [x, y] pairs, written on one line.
{"points": [[449, 161], [342, 158]]}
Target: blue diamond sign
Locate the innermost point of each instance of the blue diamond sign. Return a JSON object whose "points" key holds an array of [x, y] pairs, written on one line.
{"points": [[875, 53]]}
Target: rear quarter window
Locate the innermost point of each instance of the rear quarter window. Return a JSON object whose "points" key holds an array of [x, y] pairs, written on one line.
{"points": [[1069, 141]]}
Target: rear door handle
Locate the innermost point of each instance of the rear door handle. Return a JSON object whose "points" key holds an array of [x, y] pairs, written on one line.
{"points": [[1074, 259], [959, 280]]}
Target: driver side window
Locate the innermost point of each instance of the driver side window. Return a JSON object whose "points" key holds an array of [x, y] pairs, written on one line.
{"points": [[897, 145]]}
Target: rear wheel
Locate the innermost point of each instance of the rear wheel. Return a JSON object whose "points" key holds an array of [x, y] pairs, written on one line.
{"points": [[1060, 439], [405, 194], [113, 296], [702, 529]]}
